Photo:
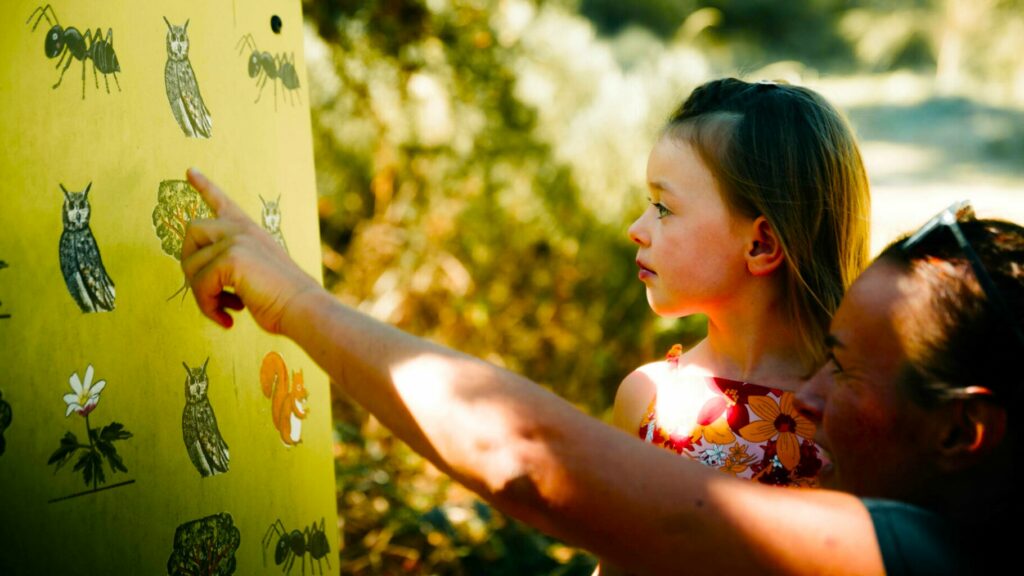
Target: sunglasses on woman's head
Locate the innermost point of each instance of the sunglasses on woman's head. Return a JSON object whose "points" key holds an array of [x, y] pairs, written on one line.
{"points": [[949, 219]]}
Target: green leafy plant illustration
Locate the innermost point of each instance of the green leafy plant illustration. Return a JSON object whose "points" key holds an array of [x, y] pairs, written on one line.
{"points": [[83, 399]]}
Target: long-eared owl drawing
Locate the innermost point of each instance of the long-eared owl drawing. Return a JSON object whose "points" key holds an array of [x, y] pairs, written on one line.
{"points": [[206, 448], [270, 215], [182, 90], [80, 262]]}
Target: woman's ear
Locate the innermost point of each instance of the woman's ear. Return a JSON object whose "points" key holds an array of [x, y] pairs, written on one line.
{"points": [[764, 251], [974, 429]]}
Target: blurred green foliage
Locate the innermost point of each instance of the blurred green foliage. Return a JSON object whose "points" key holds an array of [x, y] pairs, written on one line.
{"points": [[402, 516], [444, 214], [662, 17], [980, 38], [478, 162]]}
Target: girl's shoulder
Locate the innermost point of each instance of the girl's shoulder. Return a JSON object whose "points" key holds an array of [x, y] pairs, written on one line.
{"points": [[640, 387], [635, 393]]}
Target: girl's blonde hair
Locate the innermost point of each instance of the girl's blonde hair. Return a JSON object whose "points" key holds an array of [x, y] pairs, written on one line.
{"points": [[783, 152]]}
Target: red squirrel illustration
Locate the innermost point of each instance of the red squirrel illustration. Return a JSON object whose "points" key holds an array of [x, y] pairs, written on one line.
{"points": [[288, 401]]}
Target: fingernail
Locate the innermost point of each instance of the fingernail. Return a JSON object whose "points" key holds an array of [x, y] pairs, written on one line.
{"points": [[194, 171]]}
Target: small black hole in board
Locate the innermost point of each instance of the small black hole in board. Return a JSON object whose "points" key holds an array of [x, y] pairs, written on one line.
{"points": [[275, 24]]}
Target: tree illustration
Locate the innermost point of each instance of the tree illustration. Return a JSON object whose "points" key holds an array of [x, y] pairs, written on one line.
{"points": [[205, 547], [177, 204]]}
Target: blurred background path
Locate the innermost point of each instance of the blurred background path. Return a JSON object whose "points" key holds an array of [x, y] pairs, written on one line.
{"points": [[923, 154]]}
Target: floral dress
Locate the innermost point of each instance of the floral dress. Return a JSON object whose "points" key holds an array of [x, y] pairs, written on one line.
{"points": [[749, 431]]}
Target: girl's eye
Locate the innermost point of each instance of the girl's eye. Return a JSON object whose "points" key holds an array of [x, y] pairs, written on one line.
{"points": [[662, 210]]}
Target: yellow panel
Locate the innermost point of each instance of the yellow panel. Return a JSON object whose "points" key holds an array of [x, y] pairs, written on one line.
{"points": [[116, 133]]}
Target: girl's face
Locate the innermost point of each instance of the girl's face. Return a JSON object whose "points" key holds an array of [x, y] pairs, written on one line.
{"points": [[691, 245]]}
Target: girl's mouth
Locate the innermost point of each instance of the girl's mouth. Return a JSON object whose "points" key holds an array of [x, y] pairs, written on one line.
{"points": [[645, 272]]}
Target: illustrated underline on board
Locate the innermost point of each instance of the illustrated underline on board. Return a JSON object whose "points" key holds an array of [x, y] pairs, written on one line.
{"points": [[126, 482]]}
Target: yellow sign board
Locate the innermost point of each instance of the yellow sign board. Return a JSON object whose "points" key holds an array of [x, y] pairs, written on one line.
{"points": [[136, 436]]}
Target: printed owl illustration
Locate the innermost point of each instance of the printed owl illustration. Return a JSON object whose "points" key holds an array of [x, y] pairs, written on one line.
{"points": [[206, 448], [80, 262], [270, 214], [182, 90]]}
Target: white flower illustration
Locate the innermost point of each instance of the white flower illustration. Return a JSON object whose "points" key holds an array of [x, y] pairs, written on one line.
{"points": [[86, 395]]}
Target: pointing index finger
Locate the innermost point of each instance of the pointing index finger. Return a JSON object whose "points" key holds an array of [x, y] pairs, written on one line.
{"points": [[218, 201]]}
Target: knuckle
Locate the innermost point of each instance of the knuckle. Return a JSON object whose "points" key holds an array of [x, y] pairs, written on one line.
{"points": [[232, 257]]}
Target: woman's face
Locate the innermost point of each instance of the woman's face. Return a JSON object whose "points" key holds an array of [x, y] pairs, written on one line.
{"points": [[691, 245], [865, 416]]}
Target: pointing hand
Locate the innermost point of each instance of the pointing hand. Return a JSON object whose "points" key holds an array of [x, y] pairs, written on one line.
{"points": [[232, 263]]}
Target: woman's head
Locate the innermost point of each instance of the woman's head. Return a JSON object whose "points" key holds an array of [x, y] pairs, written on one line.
{"points": [[783, 152], [964, 321], [916, 401]]}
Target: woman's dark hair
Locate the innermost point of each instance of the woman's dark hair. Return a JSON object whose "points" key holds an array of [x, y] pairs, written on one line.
{"points": [[955, 336], [783, 152]]}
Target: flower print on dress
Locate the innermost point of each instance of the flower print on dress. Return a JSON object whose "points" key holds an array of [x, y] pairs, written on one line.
{"points": [[85, 394], [712, 424], [738, 460], [771, 471], [714, 456], [654, 434], [673, 355], [780, 422], [678, 443], [737, 396], [810, 460], [711, 427], [774, 432]]}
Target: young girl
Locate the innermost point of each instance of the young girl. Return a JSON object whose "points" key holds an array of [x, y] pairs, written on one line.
{"points": [[758, 219]]}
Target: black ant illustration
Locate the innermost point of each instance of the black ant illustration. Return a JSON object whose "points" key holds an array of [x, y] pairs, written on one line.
{"points": [[280, 67], [312, 540], [69, 43]]}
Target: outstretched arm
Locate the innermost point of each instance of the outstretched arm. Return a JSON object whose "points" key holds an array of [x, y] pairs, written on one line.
{"points": [[524, 449]]}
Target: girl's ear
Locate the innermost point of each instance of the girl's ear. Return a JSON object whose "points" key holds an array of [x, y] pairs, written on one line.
{"points": [[764, 252]]}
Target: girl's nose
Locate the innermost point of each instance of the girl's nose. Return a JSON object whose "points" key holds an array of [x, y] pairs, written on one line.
{"points": [[637, 232]]}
